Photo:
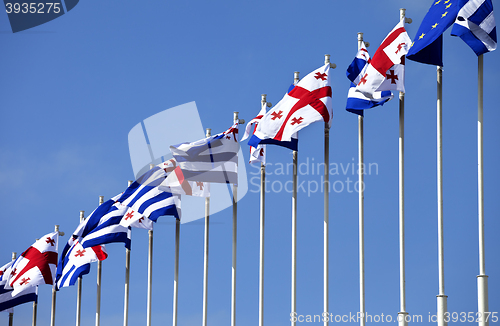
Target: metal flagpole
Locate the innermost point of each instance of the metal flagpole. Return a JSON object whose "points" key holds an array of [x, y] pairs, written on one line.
{"points": [[176, 269], [402, 313], [127, 280], [441, 297], [150, 270], [294, 224], [79, 287], [205, 255], [326, 192], [362, 308], [262, 224], [11, 314], [235, 215], [99, 274], [35, 308], [53, 307], [482, 278]]}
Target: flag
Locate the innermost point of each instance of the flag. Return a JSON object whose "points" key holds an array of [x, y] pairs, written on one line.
{"points": [[307, 102], [37, 265], [475, 24], [257, 154], [76, 262], [150, 206], [391, 52], [8, 301], [177, 184], [427, 47], [212, 159], [357, 101]]}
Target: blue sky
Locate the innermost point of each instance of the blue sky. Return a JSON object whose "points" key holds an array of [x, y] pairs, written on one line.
{"points": [[73, 88]]}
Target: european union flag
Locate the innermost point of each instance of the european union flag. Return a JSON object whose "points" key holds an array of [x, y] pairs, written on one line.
{"points": [[427, 46]]}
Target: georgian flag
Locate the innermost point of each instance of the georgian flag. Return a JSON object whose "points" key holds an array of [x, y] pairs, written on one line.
{"points": [[212, 159], [257, 154], [475, 24], [391, 52], [176, 183], [357, 101], [7, 301], [76, 262], [37, 265], [309, 101]]}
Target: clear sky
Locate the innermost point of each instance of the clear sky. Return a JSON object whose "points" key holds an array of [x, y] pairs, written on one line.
{"points": [[73, 88]]}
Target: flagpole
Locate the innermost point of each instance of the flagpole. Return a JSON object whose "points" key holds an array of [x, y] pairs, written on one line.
{"points": [[11, 314], [362, 308], [235, 216], [326, 192], [127, 280], [262, 225], [294, 223], [35, 308], [482, 278], [441, 297], [53, 307], [99, 274], [79, 287], [150, 270], [176, 269], [205, 252]]}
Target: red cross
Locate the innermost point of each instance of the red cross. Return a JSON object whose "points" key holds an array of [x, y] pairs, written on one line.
{"points": [[392, 77], [1, 273], [276, 115], [363, 80], [51, 241], [297, 121], [13, 272], [400, 46], [228, 137], [233, 131], [261, 153], [307, 98], [141, 219], [24, 281], [129, 215], [320, 75], [39, 260], [199, 184], [79, 253]]}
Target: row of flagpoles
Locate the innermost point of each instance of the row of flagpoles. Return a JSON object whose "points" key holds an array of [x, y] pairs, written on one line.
{"points": [[278, 126]]}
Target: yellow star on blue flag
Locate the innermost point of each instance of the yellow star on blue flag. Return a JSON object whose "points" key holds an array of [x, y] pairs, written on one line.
{"points": [[428, 47]]}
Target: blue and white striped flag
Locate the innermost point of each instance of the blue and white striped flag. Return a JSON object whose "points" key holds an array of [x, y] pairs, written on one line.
{"points": [[76, 262], [357, 101], [212, 159], [475, 24], [8, 301]]}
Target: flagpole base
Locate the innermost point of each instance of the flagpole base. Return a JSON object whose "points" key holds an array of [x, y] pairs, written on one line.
{"points": [[482, 300], [442, 308], [402, 318]]}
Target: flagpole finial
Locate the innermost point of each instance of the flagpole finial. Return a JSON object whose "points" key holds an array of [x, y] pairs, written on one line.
{"points": [[296, 77], [209, 132], [236, 119], [82, 217], [14, 254], [264, 100], [402, 15], [327, 60], [101, 200], [130, 182], [56, 229]]}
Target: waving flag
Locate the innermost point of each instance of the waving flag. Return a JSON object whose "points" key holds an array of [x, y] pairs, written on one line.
{"points": [[357, 101], [76, 262], [307, 102], [177, 184], [8, 301], [151, 206], [37, 265], [427, 46], [212, 159], [257, 154], [475, 24], [391, 52]]}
